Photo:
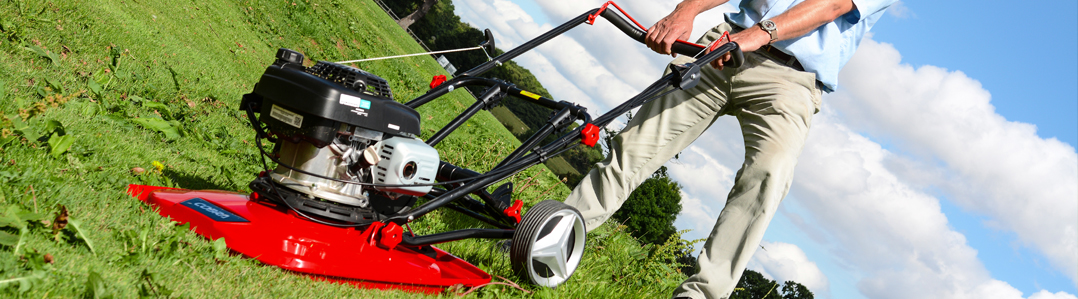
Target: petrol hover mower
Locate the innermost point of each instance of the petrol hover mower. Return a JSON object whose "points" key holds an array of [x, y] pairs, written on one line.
{"points": [[350, 169]]}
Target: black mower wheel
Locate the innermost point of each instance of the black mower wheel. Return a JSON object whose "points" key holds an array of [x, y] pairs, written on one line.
{"points": [[548, 243]]}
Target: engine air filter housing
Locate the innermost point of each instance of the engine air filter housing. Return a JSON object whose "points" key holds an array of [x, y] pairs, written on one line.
{"points": [[406, 161]]}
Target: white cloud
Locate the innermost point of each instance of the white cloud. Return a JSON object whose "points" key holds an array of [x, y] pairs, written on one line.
{"points": [[696, 214], [784, 262], [704, 184], [561, 60], [989, 165], [1047, 295], [894, 235], [882, 223], [699, 173], [900, 10]]}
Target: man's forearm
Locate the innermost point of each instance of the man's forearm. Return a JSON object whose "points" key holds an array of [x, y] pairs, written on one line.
{"points": [[795, 22], [809, 15]]}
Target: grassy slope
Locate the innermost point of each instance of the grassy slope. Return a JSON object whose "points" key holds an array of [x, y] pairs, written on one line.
{"points": [[188, 62]]}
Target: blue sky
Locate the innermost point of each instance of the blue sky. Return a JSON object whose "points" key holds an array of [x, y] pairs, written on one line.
{"points": [[1031, 68], [951, 140], [1032, 73]]}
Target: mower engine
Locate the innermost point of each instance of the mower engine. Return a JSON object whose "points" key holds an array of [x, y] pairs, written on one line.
{"points": [[336, 123]]}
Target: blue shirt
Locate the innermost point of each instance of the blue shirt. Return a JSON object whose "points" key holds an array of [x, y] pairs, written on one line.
{"points": [[828, 48]]}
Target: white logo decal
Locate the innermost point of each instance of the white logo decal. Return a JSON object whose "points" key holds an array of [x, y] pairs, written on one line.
{"points": [[212, 210], [350, 100]]}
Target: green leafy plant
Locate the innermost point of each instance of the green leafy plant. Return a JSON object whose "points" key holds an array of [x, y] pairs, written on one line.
{"points": [[144, 244], [137, 246], [169, 128], [15, 218], [59, 144], [34, 265], [12, 31], [97, 287], [220, 249], [150, 286], [43, 53], [77, 227], [94, 87], [25, 283], [22, 128]]}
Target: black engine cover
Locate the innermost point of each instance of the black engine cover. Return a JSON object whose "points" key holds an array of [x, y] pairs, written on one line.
{"points": [[295, 99]]}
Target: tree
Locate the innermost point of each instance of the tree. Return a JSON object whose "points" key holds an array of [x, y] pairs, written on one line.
{"points": [[794, 290], [417, 14], [754, 285], [651, 209]]}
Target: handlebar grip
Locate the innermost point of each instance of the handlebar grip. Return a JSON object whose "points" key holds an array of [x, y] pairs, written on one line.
{"points": [[736, 57], [692, 50]]}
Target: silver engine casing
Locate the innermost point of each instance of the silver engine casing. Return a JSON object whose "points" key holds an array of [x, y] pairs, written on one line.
{"points": [[363, 157], [406, 161]]}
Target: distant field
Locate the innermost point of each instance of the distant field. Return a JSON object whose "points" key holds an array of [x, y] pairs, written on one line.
{"points": [[556, 164], [560, 166], [509, 120], [95, 95]]}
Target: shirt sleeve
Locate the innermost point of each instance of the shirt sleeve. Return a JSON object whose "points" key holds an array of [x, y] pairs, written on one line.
{"points": [[866, 8]]}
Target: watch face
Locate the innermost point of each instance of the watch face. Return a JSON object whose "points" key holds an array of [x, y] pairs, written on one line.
{"points": [[768, 25]]}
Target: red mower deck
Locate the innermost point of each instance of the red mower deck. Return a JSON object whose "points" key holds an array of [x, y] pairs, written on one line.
{"points": [[278, 237]]}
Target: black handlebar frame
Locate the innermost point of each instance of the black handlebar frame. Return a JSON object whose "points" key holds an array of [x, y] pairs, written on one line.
{"points": [[459, 182], [529, 154]]}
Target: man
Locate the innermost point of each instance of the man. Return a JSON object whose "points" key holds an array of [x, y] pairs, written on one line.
{"points": [[793, 52]]}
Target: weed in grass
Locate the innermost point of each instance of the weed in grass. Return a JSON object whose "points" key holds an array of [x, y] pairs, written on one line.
{"points": [[146, 244], [33, 267], [169, 128], [220, 250], [43, 53], [26, 282], [77, 228], [150, 285], [97, 287]]}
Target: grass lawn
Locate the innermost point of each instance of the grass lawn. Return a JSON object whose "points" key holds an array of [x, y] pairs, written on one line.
{"points": [[95, 95]]}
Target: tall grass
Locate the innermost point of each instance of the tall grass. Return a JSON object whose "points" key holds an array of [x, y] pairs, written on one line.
{"points": [[95, 95]]}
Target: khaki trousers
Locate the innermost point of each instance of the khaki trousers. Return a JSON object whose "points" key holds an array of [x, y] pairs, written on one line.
{"points": [[774, 105]]}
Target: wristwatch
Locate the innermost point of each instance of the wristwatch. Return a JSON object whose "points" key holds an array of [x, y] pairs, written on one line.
{"points": [[769, 26]]}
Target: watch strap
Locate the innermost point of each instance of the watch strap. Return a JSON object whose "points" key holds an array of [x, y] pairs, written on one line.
{"points": [[771, 29]]}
